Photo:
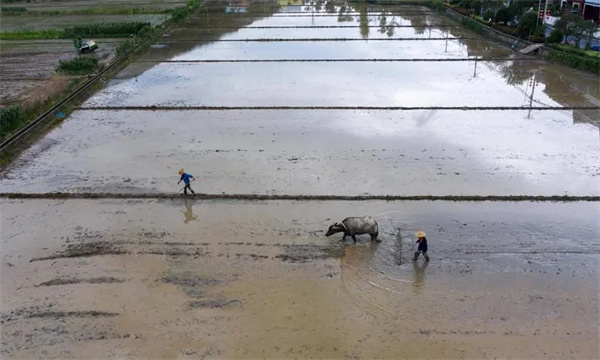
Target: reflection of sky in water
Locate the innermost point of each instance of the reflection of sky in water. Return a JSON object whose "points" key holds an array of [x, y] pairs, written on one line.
{"points": [[318, 84], [545, 143]]}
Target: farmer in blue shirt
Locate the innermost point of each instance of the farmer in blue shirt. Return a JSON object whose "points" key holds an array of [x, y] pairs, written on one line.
{"points": [[185, 177], [422, 246]]}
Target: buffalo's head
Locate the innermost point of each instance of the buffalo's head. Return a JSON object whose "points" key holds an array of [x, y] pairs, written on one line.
{"points": [[335, 228]]}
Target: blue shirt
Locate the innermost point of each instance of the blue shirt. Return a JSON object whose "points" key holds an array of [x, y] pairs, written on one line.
{"points": [[186, 178], [423, 245]]}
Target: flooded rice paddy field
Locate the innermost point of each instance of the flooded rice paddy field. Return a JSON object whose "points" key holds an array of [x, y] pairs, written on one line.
{"points": [[315, 152], [225, 279], [235, 279]]}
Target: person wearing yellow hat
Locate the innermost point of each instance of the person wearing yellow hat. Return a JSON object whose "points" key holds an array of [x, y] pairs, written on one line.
{"points": [[422, 249], [185, 177]]}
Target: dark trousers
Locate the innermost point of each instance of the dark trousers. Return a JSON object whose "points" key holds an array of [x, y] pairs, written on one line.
{"points": [[186, 188], [418, 252]]}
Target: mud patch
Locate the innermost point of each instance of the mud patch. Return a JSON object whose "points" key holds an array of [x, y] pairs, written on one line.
{"points": [[86, 250], [35, 312], [69, 281], [305, 253], [191, 284], [212, 304]]}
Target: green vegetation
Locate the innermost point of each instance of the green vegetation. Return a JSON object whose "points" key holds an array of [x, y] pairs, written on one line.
{"points": [[80, 65], [31, 34], [556, 36], [473, 25], [124, 29], [5, 10], [586, 63], [528, 24], [576, 50], [11, 118]]}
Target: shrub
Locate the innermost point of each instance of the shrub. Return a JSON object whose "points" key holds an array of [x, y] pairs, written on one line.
{"points": [[527, 24], [78, 66], [504, 15], [437, 5], [10, 118], [556, 36], [124, 47], [473, 25], [489, 14], [506, 29]]}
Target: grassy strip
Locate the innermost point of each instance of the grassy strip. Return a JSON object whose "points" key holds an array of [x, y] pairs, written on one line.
{"points": [[574, 50], [586, 63], [124, 29], [31, 34], [12, 11]]}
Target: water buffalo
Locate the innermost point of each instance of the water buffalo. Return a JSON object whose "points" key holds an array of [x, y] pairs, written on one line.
{"points": [[355, 226]]}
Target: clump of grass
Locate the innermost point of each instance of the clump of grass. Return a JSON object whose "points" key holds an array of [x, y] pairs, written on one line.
{"points": [[78, 66]]}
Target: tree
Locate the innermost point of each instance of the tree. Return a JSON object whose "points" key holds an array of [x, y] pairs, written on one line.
{"points": [[527, 24], [556, 36], [504, 15], [573, 25]]}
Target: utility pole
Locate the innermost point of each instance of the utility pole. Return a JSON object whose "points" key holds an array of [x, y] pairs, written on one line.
{"points": [[447, 34], [531, 97], [545, 12], [475, 69]]}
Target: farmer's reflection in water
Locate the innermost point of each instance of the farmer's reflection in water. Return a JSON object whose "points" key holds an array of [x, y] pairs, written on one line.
{"points": [[189, 215], [419, 271]]}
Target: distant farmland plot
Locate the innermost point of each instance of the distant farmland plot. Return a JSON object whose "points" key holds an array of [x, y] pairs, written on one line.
{"points": [[79, 4], [15, 23]]}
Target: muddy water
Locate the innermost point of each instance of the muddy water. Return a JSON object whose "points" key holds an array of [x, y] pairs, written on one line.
{"points": [[246, 280]]}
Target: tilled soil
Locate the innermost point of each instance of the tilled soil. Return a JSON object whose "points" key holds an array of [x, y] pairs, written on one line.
{"points": [[235, 279]]}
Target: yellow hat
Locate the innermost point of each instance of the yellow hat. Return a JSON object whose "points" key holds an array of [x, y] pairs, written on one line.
{"points": [[420, 234], [180, 171]]}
